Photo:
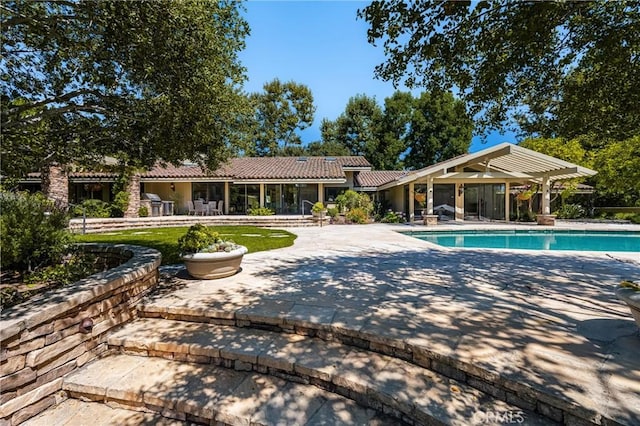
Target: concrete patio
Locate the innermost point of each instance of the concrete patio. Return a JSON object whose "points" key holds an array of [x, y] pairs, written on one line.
{"points": [[548, 319], [541, 331]]}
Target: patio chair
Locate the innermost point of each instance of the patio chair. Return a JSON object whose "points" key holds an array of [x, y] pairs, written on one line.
{"points": [[219, 210], [211, 207], [192, 209], [200, 209]]}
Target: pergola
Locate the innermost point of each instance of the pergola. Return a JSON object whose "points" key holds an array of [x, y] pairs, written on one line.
{"points": [[504, 163]]}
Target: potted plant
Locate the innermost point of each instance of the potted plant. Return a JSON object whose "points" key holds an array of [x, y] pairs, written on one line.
{"points": [[207, 256], [318, 210], [629, 292]]}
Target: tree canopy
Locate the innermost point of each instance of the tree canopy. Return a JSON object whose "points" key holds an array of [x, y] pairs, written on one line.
{"points": [[556, 68], [279, 112], [408, 133], [142, 81], [440, 128]]}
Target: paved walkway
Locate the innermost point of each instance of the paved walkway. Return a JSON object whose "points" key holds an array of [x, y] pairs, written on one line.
{"points": [[548, 319]]}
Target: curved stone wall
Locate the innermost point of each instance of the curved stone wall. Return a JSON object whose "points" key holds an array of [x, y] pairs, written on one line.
{"points": [[58, 331]]}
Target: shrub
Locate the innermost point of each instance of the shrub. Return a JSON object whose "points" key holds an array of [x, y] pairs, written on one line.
{"points": [[92, 208], [75, 266], [197, 238], [143, 211], [261, 211], [633, 217], [357, 215], [120, 204], [570, 211], [332, 212], [391, 217], [350, 199], [34, 231], [317, 207]]}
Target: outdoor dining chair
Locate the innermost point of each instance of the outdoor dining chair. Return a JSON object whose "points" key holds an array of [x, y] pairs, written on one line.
{"points": [[200, 209]]}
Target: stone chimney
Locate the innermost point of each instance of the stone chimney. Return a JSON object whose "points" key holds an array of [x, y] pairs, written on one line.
{"points": [[55, 184]]}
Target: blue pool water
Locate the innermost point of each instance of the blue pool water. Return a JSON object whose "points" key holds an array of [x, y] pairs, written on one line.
{"points": [[536, 240]]}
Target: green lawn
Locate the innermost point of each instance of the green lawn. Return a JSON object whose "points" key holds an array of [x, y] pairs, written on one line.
{"points": [[166, 239]]}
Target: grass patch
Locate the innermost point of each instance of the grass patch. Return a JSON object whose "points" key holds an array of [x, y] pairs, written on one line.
{"points": [[165, 240]]}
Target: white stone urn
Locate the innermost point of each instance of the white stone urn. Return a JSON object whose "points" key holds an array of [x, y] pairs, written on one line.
{"points": [[631, 296], [210, 266]]}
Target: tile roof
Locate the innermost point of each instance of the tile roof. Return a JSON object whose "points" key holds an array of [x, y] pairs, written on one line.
{"points": [[254, 168], [250, 168], [376, 178]]}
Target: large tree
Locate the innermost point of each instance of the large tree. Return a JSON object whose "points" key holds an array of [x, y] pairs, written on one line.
{"points": [[357, 128], [557, 67], [618, 178], [393, 131], [142, 81], [280, 112], [440, 128]]}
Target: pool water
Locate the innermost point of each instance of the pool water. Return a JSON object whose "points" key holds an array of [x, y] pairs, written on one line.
{"points": [[536, 240]]}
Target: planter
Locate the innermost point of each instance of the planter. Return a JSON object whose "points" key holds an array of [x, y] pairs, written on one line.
{"points": [[430, 219], [632, 298], [209, 266], [319, 215], [546, 219]]}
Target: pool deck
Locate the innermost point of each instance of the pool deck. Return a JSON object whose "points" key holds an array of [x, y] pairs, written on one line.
{"points": [[548, 319]]}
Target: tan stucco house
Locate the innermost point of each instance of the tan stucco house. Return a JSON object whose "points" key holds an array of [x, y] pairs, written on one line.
{"points": [[471, 186]]}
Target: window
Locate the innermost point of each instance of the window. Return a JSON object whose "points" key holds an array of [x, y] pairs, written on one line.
{"points": [[208, 191], [331, 192]]}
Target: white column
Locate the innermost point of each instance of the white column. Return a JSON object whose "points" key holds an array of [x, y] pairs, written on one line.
{"points": [[226, 198], [546, 196], [430, 195], [411, 201], [507, 204], [321, 192], [262, 195], [459, 201]]}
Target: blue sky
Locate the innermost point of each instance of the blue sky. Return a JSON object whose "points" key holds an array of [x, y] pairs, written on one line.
{"points": [[322, 45]]}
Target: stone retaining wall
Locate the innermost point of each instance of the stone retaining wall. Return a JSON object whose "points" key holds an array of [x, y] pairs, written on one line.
{"points": [[43, 339]]}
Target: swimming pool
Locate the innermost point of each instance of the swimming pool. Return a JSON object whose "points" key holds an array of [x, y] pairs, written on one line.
{"points": [[625, 241]]}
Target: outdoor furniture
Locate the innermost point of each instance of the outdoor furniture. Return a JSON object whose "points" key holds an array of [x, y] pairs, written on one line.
{"points": [[211, 207], [191, 208], [217, 210], [199, 207]]}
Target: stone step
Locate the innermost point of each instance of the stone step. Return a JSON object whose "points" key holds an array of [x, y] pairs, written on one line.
{"points": [[204, 394], [386, 384], [74, 412], [112, 224]]}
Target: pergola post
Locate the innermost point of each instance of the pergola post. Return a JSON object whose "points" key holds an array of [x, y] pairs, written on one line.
{"points": [[546, 195], [412, 187], [429, 195], [459, 201], [507, 201]]}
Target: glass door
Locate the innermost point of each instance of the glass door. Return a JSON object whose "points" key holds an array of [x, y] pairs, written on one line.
{"points": [[484, 202]]}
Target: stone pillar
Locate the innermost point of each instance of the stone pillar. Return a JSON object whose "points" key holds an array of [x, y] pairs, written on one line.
{"points": [[55, 184], [133, 188]]}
